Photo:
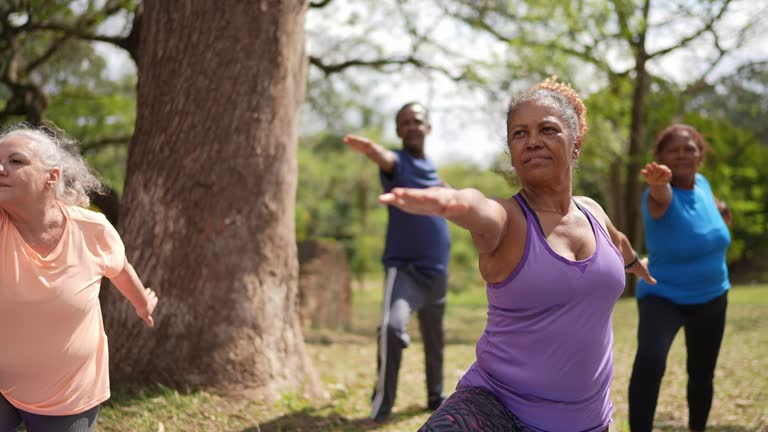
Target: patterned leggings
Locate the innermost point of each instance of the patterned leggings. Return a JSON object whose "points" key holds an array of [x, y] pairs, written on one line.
{"points": [[473, 409]]}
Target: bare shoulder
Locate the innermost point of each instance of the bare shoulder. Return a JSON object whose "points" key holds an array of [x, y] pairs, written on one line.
{"points": [[515, 219], [591, 205], [596, 209], [512, 208]]}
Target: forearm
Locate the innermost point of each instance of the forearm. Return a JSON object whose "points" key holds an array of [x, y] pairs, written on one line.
{"points": [[662, 194], [381, 156], [626, 249], [622, 244], [131, 287]]}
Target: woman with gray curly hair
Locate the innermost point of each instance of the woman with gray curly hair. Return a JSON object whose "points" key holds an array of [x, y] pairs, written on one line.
{"points": [[53, 255]]}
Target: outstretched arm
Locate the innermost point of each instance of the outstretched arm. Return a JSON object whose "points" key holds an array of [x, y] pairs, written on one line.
{"points": [[143, 299], [632, 262], [484, 218], [658, 177], [381, 156]]}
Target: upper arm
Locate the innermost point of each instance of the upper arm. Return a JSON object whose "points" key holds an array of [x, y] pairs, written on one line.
{"points": [[489, 235], [112, 250]]}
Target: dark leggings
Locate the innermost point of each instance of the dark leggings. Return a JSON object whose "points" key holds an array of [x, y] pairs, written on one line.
{"points": [[11, 417], [660, 320], [472, 409]]}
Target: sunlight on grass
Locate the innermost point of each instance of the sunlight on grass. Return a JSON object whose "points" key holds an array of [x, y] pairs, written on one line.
{"points": [[346, 364]]}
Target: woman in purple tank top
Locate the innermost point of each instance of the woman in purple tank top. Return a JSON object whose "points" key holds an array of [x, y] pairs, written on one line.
{"points": [[554, 266]]}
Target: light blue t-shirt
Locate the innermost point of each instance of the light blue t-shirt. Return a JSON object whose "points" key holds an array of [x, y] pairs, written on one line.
{"points": [[687, 247]]}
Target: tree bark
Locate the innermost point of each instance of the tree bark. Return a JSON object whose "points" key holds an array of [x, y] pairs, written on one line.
{"points": [[208, 211], [633, 228]]}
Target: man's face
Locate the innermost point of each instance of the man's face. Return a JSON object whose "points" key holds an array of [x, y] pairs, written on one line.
{"points": [[413, 126]]}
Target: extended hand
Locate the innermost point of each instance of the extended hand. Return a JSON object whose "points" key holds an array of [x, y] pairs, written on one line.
{"points": [[145, 313], [358, 143], [438, 201], [640, 269], [656, 174]]}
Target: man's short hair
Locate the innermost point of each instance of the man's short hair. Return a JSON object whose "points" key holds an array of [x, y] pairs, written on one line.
{"points": [[412, 104]]}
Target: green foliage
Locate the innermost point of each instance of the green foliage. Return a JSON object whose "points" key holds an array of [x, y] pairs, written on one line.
{"points": [[47, 48], [736, 167], [101, 115], [336, 198], [742, 98]]}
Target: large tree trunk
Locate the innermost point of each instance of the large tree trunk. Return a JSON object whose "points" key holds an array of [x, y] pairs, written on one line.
{"points": [[208, 212], [633, 228]]}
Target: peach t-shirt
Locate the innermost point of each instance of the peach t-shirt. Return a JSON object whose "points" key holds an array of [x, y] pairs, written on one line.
{"points": [[53, 349]]}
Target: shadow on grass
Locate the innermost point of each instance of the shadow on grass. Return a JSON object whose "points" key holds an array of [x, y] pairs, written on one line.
{"points": [[312, 420], [129, 394]]}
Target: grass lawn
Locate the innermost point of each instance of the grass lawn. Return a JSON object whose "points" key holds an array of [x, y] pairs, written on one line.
{"points": [[346, 363]]}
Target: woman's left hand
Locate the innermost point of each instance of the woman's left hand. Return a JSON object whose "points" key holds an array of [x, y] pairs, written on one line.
{"points": [[640, 269], [145, 312]]}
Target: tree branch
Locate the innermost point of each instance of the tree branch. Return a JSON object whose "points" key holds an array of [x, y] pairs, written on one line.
{"points": [[319, 4], [690, 38], [552, 45], [47, 54], [621, 16], [80, 28], [78, 33], [331, 68], [98, 144]]}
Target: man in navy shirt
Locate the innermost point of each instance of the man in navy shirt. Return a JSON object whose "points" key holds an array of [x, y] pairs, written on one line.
{"points": [[415, 261]]}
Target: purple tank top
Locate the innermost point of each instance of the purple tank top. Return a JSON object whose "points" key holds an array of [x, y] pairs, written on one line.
{"points": [[546, 352]]}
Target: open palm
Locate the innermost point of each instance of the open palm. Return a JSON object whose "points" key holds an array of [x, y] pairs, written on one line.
{"points": [[437, 201]]}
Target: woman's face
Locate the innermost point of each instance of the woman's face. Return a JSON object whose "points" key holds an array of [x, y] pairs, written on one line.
{"points": [[22, 175], [681, 154], [540, 146]]}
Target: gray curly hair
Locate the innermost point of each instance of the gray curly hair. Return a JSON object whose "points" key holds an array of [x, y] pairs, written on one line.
{"points": [[56, 150]]}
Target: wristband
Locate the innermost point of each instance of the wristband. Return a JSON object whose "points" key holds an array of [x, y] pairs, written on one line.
{"points": [[631, 263]]}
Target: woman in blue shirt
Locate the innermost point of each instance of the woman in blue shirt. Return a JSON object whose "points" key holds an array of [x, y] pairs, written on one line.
{"points": [[687, 239]]}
